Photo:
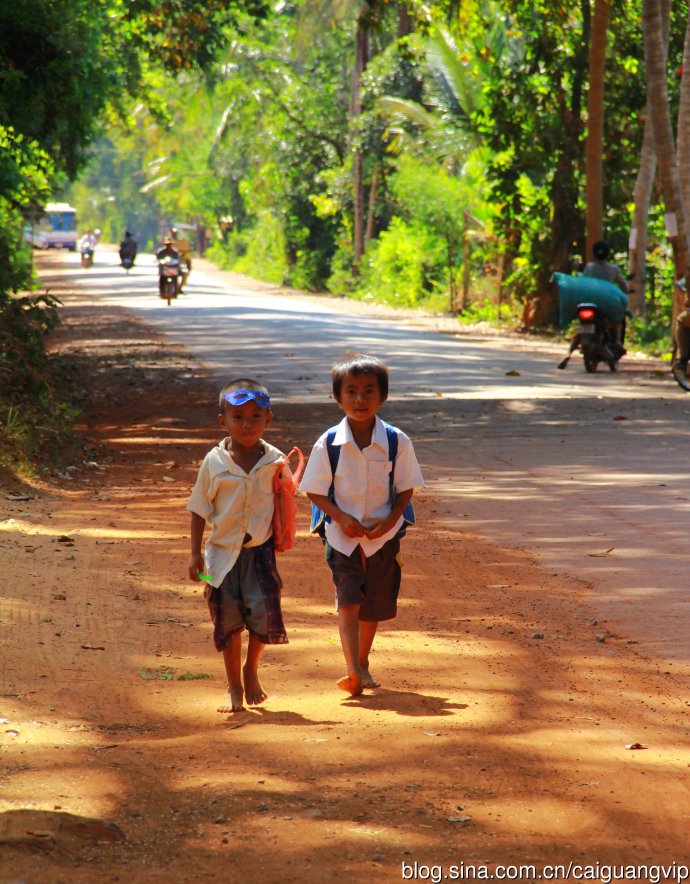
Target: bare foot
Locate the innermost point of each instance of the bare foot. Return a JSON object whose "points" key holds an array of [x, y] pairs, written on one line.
{"points": [[253, 692], [233, 703], [368, 680], [351, 683]]}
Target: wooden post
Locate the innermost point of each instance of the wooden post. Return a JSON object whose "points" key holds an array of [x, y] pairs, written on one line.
{"points": [[499, 279], [465, 258]]}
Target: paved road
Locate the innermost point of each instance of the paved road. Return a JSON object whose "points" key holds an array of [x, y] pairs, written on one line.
{"points": [[568, 465], [224, 320]]}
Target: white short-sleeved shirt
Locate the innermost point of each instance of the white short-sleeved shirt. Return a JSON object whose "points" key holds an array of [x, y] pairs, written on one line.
{"points": [[361, 485], [235, 504]]}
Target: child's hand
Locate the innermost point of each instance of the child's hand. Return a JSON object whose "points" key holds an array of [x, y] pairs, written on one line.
{"points": [[379, 528], [351, 527], [196, 566]]}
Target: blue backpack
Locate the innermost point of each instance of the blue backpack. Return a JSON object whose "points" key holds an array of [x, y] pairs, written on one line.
{"points": [[319, 518]]}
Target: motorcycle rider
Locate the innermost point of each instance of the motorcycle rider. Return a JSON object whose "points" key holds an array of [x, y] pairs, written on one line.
{"points": [[88, 242], [128, 247], [168, 251], [602, 268], [184, 248]]}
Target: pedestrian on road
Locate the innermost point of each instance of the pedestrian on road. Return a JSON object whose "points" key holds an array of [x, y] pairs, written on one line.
{"points": [[361, 476], [234, 494]]}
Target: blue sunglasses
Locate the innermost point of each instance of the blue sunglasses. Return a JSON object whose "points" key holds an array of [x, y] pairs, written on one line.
{"points": [[239, 397]]}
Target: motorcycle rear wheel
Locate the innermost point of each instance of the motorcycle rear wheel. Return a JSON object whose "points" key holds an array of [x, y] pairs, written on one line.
{"points": [[591, 363]]}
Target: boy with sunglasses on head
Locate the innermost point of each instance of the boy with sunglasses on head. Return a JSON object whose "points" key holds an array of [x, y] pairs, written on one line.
{"points": [[234, 494], [361, 475]]}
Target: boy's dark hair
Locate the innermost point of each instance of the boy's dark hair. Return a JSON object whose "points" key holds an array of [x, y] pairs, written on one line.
{"points": [[358, 365], [239, 384]]}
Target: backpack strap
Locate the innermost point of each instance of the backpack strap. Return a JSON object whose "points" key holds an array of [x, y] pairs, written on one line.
{"points": [[409, 517], [318, 517]]}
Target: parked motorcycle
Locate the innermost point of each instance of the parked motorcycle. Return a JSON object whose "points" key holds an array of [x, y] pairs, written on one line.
{"points": [[594, 339], [169, 276]]}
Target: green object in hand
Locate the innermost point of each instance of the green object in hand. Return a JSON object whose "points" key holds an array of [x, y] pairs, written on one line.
{"points": [[205, 576]]}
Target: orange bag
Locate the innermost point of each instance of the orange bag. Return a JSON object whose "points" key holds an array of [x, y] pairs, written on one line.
{"points": [[285, 508]]}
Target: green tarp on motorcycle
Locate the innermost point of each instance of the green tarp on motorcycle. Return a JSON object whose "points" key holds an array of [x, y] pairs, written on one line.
{"points": [[574, 290]]}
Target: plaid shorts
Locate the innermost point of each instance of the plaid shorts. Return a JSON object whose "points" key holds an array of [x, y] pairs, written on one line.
{"points": [[249, 596], [373, 583]]}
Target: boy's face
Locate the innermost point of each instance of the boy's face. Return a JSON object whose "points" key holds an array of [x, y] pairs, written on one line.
{"points": [[360, 398], [245, 423]]}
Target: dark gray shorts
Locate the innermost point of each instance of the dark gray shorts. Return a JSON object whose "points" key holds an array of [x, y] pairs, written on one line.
{"points": [[373, 583], [249, 596]]}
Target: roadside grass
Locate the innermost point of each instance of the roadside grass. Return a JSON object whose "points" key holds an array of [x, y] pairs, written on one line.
{"points": [[37, 434], [37, 409]]}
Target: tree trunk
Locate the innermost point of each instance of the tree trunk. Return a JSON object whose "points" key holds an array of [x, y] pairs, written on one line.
{"points": [[657, 91], [360, 63], [642, 198], [373, 195], [405, 21], [465, 259], [566, 220], [595, 125], [684, 124]]}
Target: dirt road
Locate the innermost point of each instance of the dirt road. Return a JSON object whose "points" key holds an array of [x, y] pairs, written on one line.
{"points": [[499, 735]]}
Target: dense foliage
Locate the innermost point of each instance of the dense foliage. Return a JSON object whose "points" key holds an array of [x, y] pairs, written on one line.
{"points": [[444, 143], [63, 66], [465, 144]]}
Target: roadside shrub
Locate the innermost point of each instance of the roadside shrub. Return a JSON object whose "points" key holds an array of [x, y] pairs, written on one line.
{"points": [[403, 266], [487, 311], [265, 256], [35, 419]]}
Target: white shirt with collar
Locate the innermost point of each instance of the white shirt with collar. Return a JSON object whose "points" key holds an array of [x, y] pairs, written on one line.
{"points": [[361, 485], [235, 504]]}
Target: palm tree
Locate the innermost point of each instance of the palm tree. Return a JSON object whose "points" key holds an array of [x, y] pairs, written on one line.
{"points": [[642, 195], [595, 124], [684, 124], [657, 92]]}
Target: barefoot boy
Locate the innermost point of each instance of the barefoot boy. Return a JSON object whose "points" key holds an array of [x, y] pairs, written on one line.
{"points": [[234, 494], [364, 512]]}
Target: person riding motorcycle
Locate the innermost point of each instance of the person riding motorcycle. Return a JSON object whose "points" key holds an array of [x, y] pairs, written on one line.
{"points": [[168, 251], [88, 242], [184, 249], [183, 246], [128, 247], [602, 268]]}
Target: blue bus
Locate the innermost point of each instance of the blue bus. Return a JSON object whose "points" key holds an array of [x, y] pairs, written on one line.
{"points": [[56, 228]]}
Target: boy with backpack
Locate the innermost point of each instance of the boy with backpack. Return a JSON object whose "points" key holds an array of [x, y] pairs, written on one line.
{"points": [[360, 477]]}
